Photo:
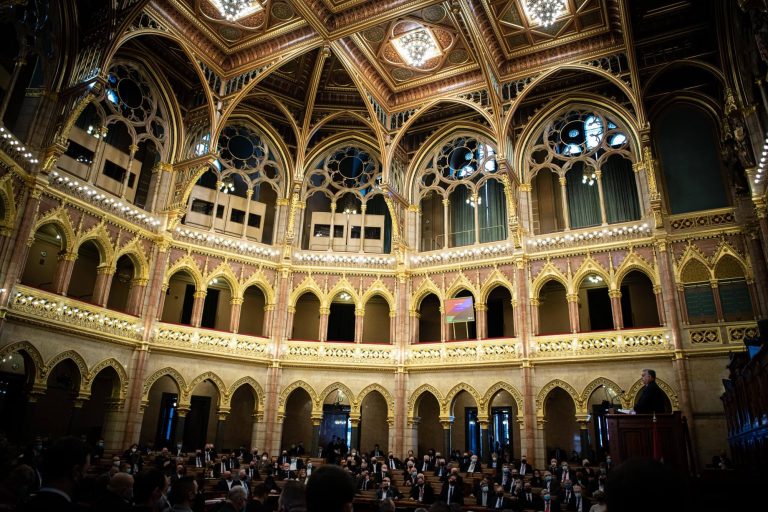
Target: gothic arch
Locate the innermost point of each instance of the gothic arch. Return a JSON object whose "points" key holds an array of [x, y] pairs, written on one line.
{"points": [[690, 256], [188, 265], [100, 238], [424, 388], [587, 267], [724, 251], [634, 262], [503, 386], [224, 271], [134, 252], [628, 399], [353, 402], [258, 392], [445, 408], [307, 285], [82, 367], [122, 376], [290, 388], [379, 289], [547, 389], [383, 392], [170, 372], [425, 288], [343, 285], [33, 354], [221, 388], [495, 280], [258, 280], [548, 273], [461, 282], [596, 383], [60, 219]]}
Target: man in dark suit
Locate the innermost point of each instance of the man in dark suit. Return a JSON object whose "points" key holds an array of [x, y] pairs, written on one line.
{"points": [[227, 482], [64, 466], [426, 464], [365, 482], [530, 499], [504, 478], [452, 491], [523, 468], [422, 491], [387, 491], [498, 501], [651, 397], [441, 470], [259, 501], [549, 504], [117, 496], [392, 462], [197, 460], [579, 502], [550, 483], [484, 493], [376, 452]]}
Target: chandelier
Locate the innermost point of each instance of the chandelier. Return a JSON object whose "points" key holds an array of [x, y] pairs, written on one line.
{"points": [[589, 177], [417, 47], [544, 12], [236, 9]]}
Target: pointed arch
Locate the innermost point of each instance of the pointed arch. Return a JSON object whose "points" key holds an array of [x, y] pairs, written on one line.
{"points": [[170, 372], [260, 281], [317, 153], [188, 265], [122, 376], [388, 398], [587, 267], [224, 271], [378, 288], [100, 238], [726, 251], [693, 267], [342, 285], [221, 388], [327, 119], [634, 262], [461, 282], [548, 273], [628, 399], [503, 386], [307, 285], [60, 219], [33, 354], [258, 392], [596, 383], [76, 358], [541, 398], [290, 388], [426, 287], [495, 280], [353, 402], [445, 408], [416, 395], [7, 200], [134, 252]]}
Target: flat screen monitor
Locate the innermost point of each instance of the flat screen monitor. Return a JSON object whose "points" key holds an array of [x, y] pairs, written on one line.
{"points": [[459, 310]]}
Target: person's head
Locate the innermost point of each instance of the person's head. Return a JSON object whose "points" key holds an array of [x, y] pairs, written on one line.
{"points": [[420, 479], [385, 482], [498, 489], [227, 475], [524, 459], [553, 462], [260, 492], [505, 468], [242, 474], [547, 476], [292, 498], [585, 463], [599, 496], [648, 376], [484, 485], [237, 497], [65, 463], [545, 495], [164, 451], [122, 485], [577, 490], [387, 506], [149, 486], [527, 487], [452, 479], [330, 489], [183, 491]]}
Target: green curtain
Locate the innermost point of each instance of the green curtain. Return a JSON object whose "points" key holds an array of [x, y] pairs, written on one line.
{"points": [[583, 199], [493, 212], [462, 218], [734, 297], [700, 303], [620, 190]]}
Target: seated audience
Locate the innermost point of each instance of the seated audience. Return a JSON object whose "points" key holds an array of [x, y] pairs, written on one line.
{"points": [[330, 489], [63, 468]]}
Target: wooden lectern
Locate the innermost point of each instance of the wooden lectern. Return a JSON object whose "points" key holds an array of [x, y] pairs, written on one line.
{"points": [[634, 435]]}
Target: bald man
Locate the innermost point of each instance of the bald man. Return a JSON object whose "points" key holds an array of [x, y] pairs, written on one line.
{"points": [[118, 496]]}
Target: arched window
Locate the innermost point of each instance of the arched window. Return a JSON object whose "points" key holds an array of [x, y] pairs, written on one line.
{"points": [[581, 168], [461, 198], [238, 194], [687, 144], [345, 209], [117, 140]]}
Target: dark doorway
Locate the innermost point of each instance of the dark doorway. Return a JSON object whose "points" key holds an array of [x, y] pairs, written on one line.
{"points": [[501, 421], [186, 307], [210, 306], [335, 423], [495, 318], [166, 423], [472, 430], [341, 322], [600, 317], [12, 402], [626, 308], [196, 425]]}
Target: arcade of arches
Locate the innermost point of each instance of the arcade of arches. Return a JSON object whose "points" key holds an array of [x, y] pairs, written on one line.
{"points": [[257, 235]]}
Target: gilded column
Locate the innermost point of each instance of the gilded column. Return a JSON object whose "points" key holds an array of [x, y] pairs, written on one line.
{"points": [[659, 304], [131, 155], [269, 319], [248, 196], [583, 421], [324, 314], [718, 302], [601, 195], [476, 208], [359, 318], [444, 332], [21, 240], [181, 423], [564, 198], [64, 272], [446, 226], [534, 317], [481, 320], [446, 422], [135, 295], [104, 275], [525, 330], [333, 226], [355, 437], [415, 315], [221, 426]]}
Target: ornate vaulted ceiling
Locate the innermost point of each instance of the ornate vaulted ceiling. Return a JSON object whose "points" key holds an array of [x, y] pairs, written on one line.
{"points": [[314, 66]]}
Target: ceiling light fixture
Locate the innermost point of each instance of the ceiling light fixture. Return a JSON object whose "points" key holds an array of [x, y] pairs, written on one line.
{"points": [[417, 46], [236, 9], [544, 12]]}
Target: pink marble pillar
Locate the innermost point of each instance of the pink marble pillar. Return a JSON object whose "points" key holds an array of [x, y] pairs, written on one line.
{"points": [[236, 306], [659, 304], [64, 273], [415, 326], [683, 304], [13, 267], [573, 311], [324, 314], [444, 332], [135, 295], [534, 317], [754, 299], [134, 412], [269, 319], [392, 327], [197, 307], [481, 321], [104, 275], [289, 323], [359, 319], [618, 316]]}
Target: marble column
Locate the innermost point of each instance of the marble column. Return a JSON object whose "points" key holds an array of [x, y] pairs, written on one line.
{"points": [[444, 332], [197, 307], [718, 302], [446, 225], [236, 306], [181, 423], [586, 447], [573, 311], [564, 198], [113, 428], [104, 275], [221, 426], [135, 295], [355, 441], [481, 320], [415, 315], [485, 446], [617, 313], [359, 319], [74, 419], [316, 422], [534, 317], [64, 272], [659, 304], [257, 433], [446, 423], [601, 196], [324, 315]]}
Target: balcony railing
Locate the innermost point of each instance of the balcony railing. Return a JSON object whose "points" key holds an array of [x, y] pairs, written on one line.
{"points": [[207, 341], [49, 308], [339, 353], [719, 334], [463, 352], [598, 343], [705, 219]]}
